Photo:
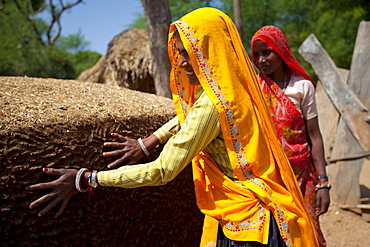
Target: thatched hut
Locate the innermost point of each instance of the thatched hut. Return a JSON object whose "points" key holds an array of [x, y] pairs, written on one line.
{"points": [[127, 63]]}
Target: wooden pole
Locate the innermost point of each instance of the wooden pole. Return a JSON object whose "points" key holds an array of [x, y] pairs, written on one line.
{"points": [[353, 111], [353, 132]]}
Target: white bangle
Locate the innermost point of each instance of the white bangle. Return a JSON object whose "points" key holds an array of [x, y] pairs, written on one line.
{"points": [[78, 180], [143, 147], [93, 179]]}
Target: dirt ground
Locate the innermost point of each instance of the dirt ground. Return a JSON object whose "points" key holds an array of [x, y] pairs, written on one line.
{"points": [[345, 228]]}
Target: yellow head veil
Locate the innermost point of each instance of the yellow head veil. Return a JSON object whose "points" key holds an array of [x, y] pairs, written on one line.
{"points": [[224, 70]]}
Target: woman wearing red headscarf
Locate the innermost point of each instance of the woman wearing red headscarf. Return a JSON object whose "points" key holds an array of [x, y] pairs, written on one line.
{"points": [[290, 94]]}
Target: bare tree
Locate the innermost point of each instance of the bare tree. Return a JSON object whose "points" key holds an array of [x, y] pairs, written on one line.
{"points": [[56, 13], [238, 18], [158, 19]]}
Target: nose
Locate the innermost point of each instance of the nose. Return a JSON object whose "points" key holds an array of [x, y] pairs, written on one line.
{"points": [[182, 62], [261, 59]]}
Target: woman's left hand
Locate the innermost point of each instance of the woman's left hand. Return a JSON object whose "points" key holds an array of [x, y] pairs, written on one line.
{"points": [[317, 152], [63, 190], [322, 201], [128, 149]]}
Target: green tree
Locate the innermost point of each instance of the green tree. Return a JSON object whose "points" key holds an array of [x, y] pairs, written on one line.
{"points": [[333, 22], [30, 47], [20, 49], [78, 48], [83, 60], [59, 64], [73, 43], [139, 22], [181, 7], [178, 9]]}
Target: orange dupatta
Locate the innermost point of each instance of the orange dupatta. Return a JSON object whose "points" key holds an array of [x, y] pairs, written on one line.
{"points": [[228, 78]]}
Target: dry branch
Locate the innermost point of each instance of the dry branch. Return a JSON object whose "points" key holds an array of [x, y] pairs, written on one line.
{"points": [[350, 157]]}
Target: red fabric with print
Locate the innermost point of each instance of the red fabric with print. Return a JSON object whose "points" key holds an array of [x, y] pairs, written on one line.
{"points": [[289, 123]]}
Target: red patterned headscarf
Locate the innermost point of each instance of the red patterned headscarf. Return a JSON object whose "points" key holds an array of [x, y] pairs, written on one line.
{"points": [[274, 38]]}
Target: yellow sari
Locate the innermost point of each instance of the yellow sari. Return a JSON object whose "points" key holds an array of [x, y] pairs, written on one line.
{"points": [[258, 160]]}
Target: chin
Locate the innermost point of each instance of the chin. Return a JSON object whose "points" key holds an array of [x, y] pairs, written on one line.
{"points": [[194, 81], [266, 72]]}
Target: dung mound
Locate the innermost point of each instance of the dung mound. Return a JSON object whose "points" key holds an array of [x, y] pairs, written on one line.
{"points": [[63, 123]]}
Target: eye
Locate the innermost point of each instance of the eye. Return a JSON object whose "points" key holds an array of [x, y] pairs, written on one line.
{"points": [[184, 53], [267, 52]]}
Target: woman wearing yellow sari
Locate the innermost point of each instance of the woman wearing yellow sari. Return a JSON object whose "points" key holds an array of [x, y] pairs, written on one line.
{"points": [[243, 181]]}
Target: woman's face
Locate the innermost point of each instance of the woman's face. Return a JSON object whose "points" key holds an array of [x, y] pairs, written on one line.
{"points": [[184, 62], [267, 60]]}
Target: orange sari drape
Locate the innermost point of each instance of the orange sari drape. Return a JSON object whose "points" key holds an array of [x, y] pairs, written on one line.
{"points": [[268, 183]]}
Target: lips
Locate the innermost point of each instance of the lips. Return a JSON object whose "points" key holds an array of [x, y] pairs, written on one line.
{"points": [[190, 73], [265, 69], [193, 79]]}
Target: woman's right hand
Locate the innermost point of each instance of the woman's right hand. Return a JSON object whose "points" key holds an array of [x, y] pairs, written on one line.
{"points": [[63, 190]]}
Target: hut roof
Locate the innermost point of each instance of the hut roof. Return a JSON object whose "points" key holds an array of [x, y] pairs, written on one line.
{"points": [[127, 63]]}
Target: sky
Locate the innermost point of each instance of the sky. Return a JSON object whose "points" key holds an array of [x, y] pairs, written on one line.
{"points": [[100, 20]]}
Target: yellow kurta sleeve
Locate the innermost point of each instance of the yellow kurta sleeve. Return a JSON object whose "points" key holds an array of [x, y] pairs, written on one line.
{"points": [[194, 135], [168, 130]]}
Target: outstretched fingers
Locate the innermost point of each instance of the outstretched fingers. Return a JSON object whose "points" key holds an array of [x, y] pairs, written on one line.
{"points": [[52, 204], [63, 188], [42, 186], [118, 136], [62, 207], [113, 144], [48, 185], [129, 150], [117, 162], [58, 197], [114, 153], [43, 199]]}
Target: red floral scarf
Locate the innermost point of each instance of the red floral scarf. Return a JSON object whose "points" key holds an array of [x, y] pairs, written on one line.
{"points": [[290, 127], [288, 121]]}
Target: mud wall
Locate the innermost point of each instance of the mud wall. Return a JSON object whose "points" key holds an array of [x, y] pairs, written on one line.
{"points": [[56, 123]]}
